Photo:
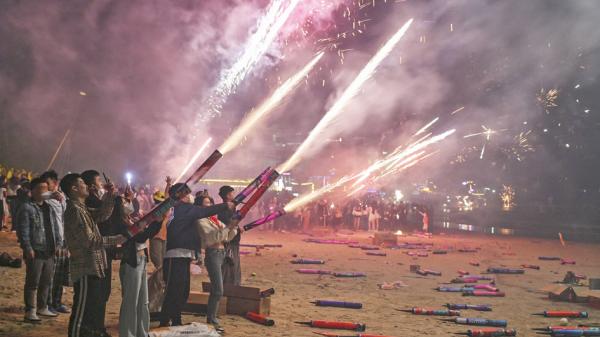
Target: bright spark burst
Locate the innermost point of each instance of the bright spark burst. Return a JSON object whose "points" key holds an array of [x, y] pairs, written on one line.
{"points": [[423, 129], [487, 133], [267, 30], [194, 158], [360, 177], [267, 106], [346, 97], [547, 99], [507, 195], [520, 147]]}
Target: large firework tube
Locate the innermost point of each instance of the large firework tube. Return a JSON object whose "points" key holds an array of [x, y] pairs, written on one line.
{"points": [[260, 319], [478, 307], [479, 321], [335, 325], [483, 293], [337, 304], [493, 270], [430, 312], [272, 176], [264, 220], [560, 327], [307, 261], [574, 333], [491, 332], [569, 314], [161, 209], [252, 186], [326, 334]]}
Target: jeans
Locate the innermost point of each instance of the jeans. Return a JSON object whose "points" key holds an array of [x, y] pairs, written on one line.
{"points": [[134, 316], [213, 261], [38, 281]]}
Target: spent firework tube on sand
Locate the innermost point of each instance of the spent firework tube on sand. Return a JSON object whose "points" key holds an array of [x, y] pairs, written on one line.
{"points": [[561, 327], [307, 261], [483, 293], [335, 325], [252, 186], [272, 176], [478, 321], [572, 333], [329, 334], [490, 332], [569, 314], [264, 220], [431, 312], [337, 304], [313, 271], [459, 306], [260, 319], [161, 209]]}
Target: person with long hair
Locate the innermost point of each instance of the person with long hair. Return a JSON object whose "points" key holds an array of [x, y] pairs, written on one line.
{"points": [[214, 234]]}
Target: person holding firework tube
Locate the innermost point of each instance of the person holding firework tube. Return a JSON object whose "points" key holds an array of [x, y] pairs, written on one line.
{"points": [[214, 234], [182, 244]]}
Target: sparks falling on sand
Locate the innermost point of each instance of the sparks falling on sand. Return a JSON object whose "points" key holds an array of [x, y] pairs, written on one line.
{"points": [[347, 95], [194, 158], [412, 155], [267, 30], [267, 106]]}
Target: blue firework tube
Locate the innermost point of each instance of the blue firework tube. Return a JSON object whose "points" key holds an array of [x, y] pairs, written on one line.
{"points": [[338, 304], [575, 332], [478, 307], [454, 289], [430, 312], [481, 321], [549, 258], [307, 261], [349, 274]]}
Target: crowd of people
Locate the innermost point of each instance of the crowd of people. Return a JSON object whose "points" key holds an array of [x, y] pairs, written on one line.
{"points": [[72, 229]]}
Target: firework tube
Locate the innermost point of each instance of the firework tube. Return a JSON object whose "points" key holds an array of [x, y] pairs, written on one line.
{"points": [[464, 280], [337, 304], [307, 261], [574, 333], [462, 272], [313, 271], [474, 263], [488, 287], [273, 175], [159, 210], [453, 289], [505, 271], [479, 277], [466, 250], [440, 252], [530, 266], [557, 327], [490, 332], [349, 274], [430, 312], [252, 186], [264, 220], [483, 293], [549, 258], [326, 334], [478, 307], [567, 261], [260, 319], [569, 314], [335, 325], [376, 253], [478, 321]]}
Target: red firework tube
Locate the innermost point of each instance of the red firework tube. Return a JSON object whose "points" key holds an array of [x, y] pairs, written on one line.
{"points": [[252, 186], [260, 319], [264, 220], [273, 175], [159, 210], [567, 261], [326, 334], [569, 314], [490, 332], [462, 272], [335, 325]]}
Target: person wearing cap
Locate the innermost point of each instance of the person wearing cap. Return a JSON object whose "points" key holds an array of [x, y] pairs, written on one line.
{"points": [[182, 244], [158, 244]]}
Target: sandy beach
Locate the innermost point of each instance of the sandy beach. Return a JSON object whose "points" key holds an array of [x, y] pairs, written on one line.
{"points": [[294, 292]]}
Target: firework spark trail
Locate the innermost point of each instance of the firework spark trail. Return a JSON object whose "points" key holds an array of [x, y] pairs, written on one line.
{"points": [[267, 106], [423, 129], [303, 200], [457, 110], [194, 158], [257, 45], [340, 104]]}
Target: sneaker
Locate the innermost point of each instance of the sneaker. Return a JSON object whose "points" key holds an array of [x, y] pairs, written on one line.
{"points": [[31, 316], [63, 309], [47, 313]]}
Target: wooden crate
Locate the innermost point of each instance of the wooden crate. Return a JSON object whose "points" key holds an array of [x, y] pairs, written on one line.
{"points": [[197, 302], [385, 238], [241, 300]]}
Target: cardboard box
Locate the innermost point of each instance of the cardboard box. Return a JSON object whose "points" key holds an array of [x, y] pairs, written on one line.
{"points": [[385, 239], [197, 302], [241, 300]]}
